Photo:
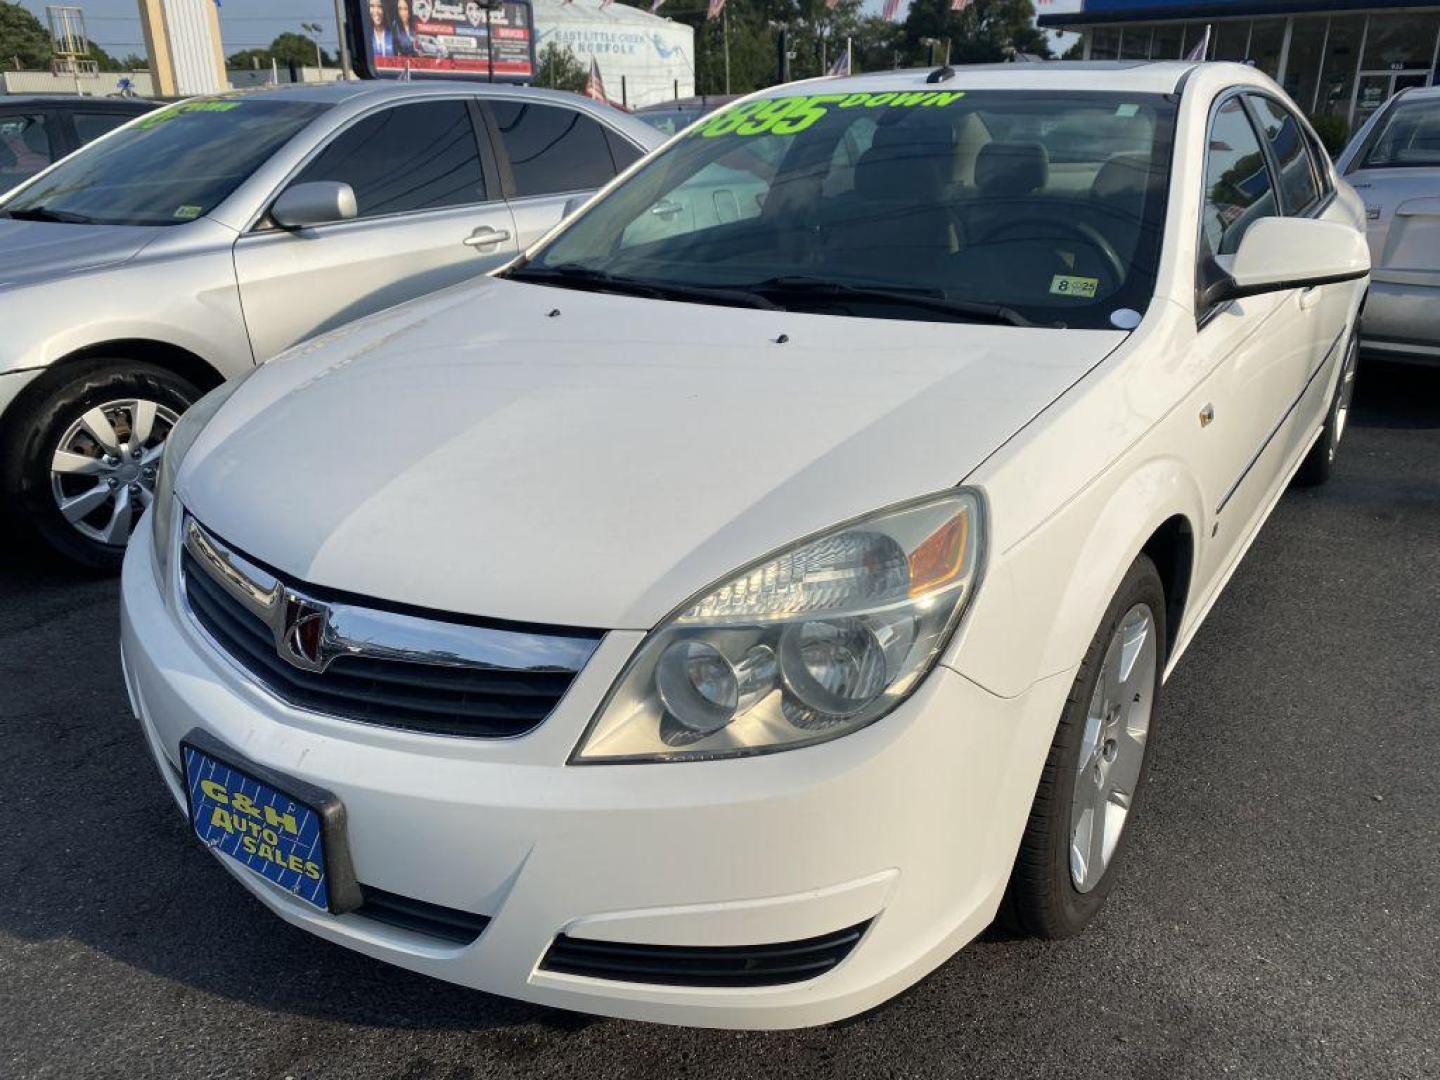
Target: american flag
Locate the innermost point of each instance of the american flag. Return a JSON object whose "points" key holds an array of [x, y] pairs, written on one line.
{"points": [[841, 66], [594, 85], [959, 5], [605, 3], [716, 7], [892, 8]]}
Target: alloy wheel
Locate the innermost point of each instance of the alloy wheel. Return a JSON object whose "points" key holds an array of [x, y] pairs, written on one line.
{"points": [[1112, 747], [102, 472]]}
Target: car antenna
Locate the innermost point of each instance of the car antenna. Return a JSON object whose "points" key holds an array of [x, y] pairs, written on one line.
{"points": [[940, 74]]}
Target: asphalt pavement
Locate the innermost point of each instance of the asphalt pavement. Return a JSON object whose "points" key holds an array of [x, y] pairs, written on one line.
{"points": [[1279, 915]]}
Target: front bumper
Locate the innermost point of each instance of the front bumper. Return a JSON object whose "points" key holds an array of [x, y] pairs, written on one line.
{"points": [[1402, 319], [911, 823]]}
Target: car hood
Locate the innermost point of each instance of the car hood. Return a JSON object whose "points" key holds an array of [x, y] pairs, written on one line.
{"points": [[37, 250], [555, 456]]}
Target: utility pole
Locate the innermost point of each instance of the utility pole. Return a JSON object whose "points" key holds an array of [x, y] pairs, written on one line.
{"points": [[489, 42], [344, 45], [725, 34]]}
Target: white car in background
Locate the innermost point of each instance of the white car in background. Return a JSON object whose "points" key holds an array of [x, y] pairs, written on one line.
{"points": [[203, 238], [731, 624]]}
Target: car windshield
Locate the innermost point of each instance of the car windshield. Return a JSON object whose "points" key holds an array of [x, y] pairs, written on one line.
{"points": [[169, 167], [1002, 206], [670, 121], [1410, 135]]}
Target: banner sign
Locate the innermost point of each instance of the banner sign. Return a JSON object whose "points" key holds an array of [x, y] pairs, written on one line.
{"points": [[443, 38]]}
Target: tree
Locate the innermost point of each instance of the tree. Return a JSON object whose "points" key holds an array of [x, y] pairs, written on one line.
{"points": [[22, 38], [287, 48], [557, 67], [292, 48], [987, 31]]}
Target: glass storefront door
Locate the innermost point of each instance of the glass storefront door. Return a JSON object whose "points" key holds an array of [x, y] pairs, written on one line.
{"points": [[1374, 88]]}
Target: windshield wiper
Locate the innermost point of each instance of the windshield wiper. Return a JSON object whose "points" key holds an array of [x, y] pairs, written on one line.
{"points": [[800, 287], [43, 213], [575, 276]]}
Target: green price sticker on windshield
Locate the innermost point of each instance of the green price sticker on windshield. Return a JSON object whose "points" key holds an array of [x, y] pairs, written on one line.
{"points": [[792, 115], [185, 107]]}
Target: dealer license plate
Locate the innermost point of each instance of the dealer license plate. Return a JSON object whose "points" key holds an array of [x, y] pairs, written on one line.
{"points": [[269, 832]]}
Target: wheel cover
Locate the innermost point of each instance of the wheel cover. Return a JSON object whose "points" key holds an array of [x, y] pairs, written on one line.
{"points": [[1112, 747], [102, 470], [1343, 393]]}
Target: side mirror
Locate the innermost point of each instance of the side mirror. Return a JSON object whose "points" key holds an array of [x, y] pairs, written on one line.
{"points": [[1277, 254], [575, 202], [316, 203]]}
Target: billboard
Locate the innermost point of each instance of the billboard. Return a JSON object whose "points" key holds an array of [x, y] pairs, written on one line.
{"points": [[445, 38]]}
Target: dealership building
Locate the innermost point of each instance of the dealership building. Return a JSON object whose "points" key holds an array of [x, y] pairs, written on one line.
{"points": [[1333, 59]]}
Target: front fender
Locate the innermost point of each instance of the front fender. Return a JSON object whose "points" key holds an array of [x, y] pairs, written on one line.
{"points": [[1043, 598], [187, 299]]}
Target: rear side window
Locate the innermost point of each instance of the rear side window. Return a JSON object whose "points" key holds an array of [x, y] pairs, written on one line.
{"points": [[552, 149], [421, 156], [1299, 189], [622, 153], [90, 126], [1238, 191], [1409, 136], [24, 147]]}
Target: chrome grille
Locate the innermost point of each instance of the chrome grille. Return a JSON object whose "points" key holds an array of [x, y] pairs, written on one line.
{"points": [[337, 656]]}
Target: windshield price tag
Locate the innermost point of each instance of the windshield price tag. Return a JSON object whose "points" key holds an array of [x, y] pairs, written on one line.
{"points": [[164, 115], [792, 115]]}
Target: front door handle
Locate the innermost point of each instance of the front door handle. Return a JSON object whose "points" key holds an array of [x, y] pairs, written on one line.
{"points": [[486, 237], [1309, 297]]}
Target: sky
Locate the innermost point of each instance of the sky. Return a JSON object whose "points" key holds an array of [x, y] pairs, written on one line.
{"points": [[244, 24]]}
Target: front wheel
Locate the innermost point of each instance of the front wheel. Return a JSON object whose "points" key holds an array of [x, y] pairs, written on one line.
{"points": [[1095, 771], [79, 461]]}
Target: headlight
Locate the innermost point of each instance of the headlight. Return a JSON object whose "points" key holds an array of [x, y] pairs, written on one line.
{"points": [[805, 645], [182, 438]]}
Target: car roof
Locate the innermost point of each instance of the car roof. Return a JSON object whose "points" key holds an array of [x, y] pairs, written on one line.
{"points": [[1135, 76], [76, 101], [335, 93], [1425, 92]]}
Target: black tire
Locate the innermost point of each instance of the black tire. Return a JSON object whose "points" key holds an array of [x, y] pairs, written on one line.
{"points": [[1042, 899], [33, 430], [1320, 462]]}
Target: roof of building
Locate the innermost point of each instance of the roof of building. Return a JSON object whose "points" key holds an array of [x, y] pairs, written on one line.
{"points": [[1122, 11]]}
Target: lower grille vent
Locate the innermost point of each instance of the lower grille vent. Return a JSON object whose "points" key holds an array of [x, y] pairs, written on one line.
{"points": [[703, 965], [420, 917]]}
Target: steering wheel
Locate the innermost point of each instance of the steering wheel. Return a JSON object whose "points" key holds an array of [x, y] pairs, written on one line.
{"points": [[1087, 234]]}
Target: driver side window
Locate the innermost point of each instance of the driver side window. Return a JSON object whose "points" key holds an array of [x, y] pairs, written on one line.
{"points": [[1238, 188]]}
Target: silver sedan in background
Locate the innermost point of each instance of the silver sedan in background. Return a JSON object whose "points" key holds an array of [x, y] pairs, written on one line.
{"points": [[204, 238], [1394, 164]]}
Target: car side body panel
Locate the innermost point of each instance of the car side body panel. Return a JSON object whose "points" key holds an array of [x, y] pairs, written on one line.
{"points": [[1128, 449]]}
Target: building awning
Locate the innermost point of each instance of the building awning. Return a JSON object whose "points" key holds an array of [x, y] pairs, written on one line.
{"points": [[1123, 11]]}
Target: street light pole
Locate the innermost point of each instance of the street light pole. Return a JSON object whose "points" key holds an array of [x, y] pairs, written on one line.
{"points": [[314, 29], [344, 46]]}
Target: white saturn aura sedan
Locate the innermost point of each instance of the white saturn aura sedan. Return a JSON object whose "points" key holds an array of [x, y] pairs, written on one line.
{"points": [[720, 618]]}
